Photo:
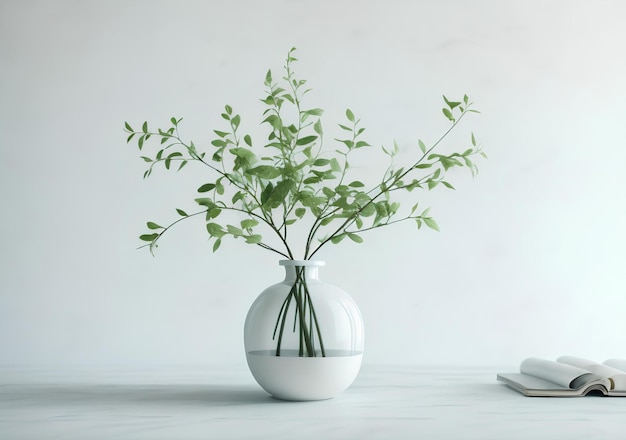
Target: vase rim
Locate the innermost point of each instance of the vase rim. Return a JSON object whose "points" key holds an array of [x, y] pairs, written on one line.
{"points": [[302, 263]]}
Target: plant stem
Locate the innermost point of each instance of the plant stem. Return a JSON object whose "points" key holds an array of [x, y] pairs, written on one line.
{"points": [[307, 329]]}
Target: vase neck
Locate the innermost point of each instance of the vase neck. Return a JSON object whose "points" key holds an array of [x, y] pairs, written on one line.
{"points": [[308, 268]]}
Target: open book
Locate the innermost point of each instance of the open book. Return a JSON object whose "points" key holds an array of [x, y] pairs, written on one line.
{"points": [[568, 376]]}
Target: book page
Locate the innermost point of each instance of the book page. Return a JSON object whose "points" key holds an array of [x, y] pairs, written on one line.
{"points": [[559, 373], [618, 377]]}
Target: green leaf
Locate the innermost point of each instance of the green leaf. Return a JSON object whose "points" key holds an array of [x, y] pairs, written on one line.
{"points": [[144, 127], [168, 161], [356, 184], [217, 244], [209, 203], [148, 237], [254, 239], [236, 120], [328, 192], [152, 225], [274, 121], [431, 223], [382, 209], [280, 192], [312, 180], [239, 195], [219, 188], [306, 140], [248, 223], [206, 187], [244, 153], [348, 143], [265, 172], [327, 221], [228, 109], [248, 140], [448, 114], [314, 112], [128, 127], [213, 213], [317, 127], [344, 190], [182, 213], [307, 152], [300, 212], [268, 78], [267, 192], [342, 202], [368, 210], [473, 140], [447, 184], [321, 162], [215, 230], [221, 134], [233, 230], [355, 238], [451, 104], [337, 238], [422, 146], [311, 201], [349, 115]]}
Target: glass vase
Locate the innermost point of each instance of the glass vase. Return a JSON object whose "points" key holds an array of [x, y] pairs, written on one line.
{"points": [[304, 337]]}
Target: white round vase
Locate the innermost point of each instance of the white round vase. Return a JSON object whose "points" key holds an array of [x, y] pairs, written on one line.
{"points": [[304, 337]]}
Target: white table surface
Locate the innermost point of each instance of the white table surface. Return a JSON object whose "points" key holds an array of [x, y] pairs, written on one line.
{"points": [[207, 403]]}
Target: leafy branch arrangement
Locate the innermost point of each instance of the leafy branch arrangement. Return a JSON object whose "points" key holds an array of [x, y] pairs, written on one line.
{"points": [[291, 179], [291, 175]]}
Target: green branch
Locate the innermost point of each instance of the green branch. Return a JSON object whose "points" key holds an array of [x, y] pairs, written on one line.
{"points": [[294, 178]]}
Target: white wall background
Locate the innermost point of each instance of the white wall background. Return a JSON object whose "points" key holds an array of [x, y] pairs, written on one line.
{"points": [[531, 258]]}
